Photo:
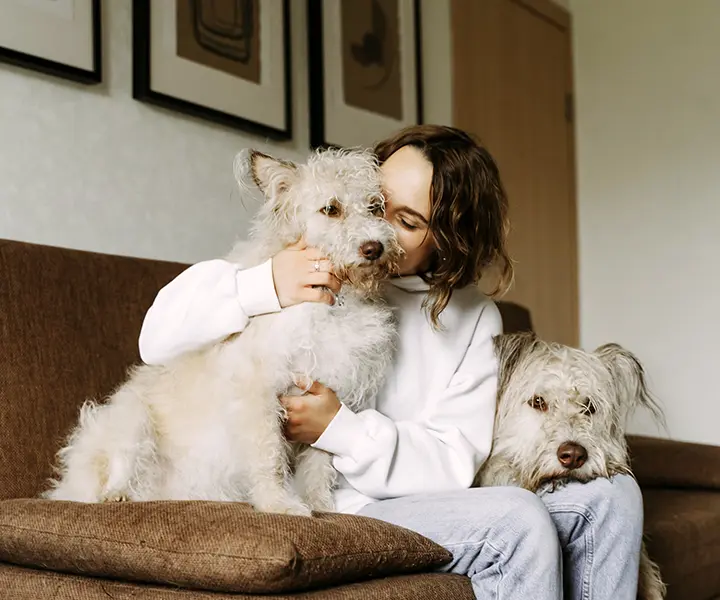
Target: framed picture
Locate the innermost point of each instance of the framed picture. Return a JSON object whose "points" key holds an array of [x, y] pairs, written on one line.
{"points": [[226, 61], [365, 70], [57, 37]]}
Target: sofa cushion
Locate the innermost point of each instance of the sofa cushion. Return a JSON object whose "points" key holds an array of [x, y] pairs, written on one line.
{"points": [[218, 546], [683, 531], [30, 584]]}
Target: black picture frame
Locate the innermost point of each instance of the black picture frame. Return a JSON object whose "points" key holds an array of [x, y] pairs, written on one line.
{"points": [[316, 75], [59, 69], [143, 92]]}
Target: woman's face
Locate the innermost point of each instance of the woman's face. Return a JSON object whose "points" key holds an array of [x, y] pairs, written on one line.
{"points": [[407, 176]]}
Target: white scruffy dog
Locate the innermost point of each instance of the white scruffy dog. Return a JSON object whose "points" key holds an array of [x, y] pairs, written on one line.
{"points": [[208, 426], [561, 417]]}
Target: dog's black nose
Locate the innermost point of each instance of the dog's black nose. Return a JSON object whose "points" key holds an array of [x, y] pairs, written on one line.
{"points": [[371, 250], [571, 455]]}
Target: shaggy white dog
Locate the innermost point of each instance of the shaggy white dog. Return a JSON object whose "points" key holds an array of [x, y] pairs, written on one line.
{"points": [[209, 425], [561, 417]]}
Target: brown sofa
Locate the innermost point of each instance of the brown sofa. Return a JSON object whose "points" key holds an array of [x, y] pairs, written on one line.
{"points": [[69, 323]]}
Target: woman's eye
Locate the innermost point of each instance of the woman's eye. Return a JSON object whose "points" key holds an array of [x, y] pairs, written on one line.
{"points": [[538, 403], [408, 226], [330, 210]]}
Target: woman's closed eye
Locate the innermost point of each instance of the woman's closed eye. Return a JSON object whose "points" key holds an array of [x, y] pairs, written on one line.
{"points": [[407, 224], [409, 219]]}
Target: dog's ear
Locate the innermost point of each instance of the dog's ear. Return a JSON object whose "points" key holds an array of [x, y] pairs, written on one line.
{"points": [[629, 379], [511, 349], [271, 175]]}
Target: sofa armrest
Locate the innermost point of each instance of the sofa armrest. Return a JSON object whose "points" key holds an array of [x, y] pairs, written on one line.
{"points": [[664, 463]]}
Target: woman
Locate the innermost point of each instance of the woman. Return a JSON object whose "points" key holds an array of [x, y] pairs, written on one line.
{"points": [[411, 459]]}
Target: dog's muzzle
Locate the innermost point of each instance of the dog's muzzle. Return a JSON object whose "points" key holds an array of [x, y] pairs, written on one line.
{"points": [[572, 455], [372, 250]]}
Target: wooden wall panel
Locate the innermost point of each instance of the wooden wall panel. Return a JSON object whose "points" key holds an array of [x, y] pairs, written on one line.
{"points": [[512, 86]]}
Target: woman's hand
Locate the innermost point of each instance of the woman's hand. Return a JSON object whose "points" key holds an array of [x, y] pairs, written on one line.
{"points": [[300, 274], [310, 414]]}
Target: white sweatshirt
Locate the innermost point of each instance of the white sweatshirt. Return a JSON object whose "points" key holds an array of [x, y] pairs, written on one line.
{"points": [[432, 425]]}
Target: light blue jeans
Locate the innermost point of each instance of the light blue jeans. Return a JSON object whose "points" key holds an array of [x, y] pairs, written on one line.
{"points": [[580, 542]]}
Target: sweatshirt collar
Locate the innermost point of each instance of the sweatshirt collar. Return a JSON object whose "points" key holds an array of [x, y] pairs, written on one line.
{"points": [[410, 283]]}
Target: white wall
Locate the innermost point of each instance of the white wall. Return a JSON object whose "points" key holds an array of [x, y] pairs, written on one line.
{"points": [[648, 108], [91, 168]]}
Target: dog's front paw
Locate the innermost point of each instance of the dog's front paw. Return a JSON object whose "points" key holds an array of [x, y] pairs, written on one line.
{"points": [[321, 502], [114, 498], [285, 507]]}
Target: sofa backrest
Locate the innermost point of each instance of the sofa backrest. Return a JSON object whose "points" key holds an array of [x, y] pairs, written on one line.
{"points": [[69, 325], [515, 318]]}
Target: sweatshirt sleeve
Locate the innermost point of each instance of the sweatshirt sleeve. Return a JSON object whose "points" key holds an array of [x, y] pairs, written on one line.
{"points": [[204, 304], [442, 449]]}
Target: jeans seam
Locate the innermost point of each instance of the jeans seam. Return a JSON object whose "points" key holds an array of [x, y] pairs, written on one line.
{"points": [[588, 537], [498, 561]]}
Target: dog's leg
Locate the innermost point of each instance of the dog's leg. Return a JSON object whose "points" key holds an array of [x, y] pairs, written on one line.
{"points": [[108, 452], [650, 583], [315, 478], [268, 476], [267, 455], [496, 471]]}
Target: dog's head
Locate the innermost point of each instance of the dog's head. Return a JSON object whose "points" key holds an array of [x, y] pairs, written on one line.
{"points": [[561, 411], [335, 202]]}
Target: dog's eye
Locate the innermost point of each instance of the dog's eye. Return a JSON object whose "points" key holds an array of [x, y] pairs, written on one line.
{"points": [[377, 210], [538, 403], [330, 210], [589, 408], [376, 205]]}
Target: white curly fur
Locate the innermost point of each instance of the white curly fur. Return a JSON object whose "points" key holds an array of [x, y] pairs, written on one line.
{"points": [[586, 400], [209, 425]]}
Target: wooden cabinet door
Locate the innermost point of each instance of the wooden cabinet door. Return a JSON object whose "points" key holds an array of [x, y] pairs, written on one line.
{"points": [[512, 87]]}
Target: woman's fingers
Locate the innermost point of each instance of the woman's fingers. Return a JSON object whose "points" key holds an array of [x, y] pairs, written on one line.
{"points": [[324, 279], [317, 283], [313, 254], [309, 386], [321, 265], [320, 275], [318, 294], [301, 244]]}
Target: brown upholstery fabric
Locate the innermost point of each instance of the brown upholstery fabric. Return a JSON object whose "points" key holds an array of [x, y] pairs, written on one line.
{"points": [[60, 311], [19, 583], [515, 318], [220, 546], [683, 530], [69, 325], [661, 463]]}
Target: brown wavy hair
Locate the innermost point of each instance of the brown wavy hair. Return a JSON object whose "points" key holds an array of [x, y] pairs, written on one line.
{"points": [[468, 212]]}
